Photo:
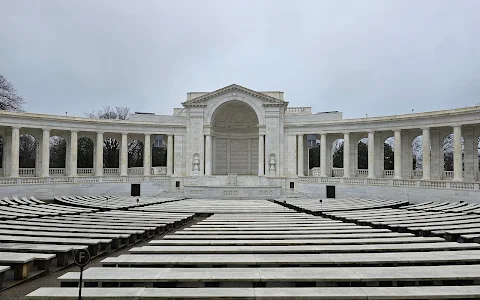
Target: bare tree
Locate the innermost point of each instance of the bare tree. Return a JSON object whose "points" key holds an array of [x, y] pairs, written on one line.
{"points": [[108, 112], [9, 98], [111, 149]]}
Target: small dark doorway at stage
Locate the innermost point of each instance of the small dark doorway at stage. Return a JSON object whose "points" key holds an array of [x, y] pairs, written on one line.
{"points": [[135, 190], [330, 191]]}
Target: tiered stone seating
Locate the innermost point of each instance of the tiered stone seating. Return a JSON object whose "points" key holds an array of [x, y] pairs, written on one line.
{"points": [[315, 207], [42, 233], [281, 255], [112, 202], [454, 226], [205, 206]]}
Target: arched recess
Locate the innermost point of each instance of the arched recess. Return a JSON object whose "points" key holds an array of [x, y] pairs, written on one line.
{"points": [[234, 130], [111, 153], [362, 154], [58, 152], [85, 152], [27, 151], [448, 155], [135, 154], [159, 151], [389, 154]]}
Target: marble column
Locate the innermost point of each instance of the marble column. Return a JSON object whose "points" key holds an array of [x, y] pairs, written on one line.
{"points": [[371, 154], [426, 153], [398, 154], [124, 155], [346, 155], [170, 154], [300, 155], [208, 155], [15, 151], [261, 155], [323, 155], [99, 154], [147, 155], [457, 154], [72, 170], [45, 153]]}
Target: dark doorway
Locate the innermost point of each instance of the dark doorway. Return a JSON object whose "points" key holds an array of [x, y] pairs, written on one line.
{"points": [[330, 191], [292, 184], [177, 184], [135, 191]]}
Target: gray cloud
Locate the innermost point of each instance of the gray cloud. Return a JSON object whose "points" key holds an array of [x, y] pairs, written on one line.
{"points": [[376, 57]]}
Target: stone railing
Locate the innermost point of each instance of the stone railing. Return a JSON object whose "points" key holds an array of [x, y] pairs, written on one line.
{"points": [[388, 173], [416, 174], [158, 171], [1, 171], [56, 171], [26, 172], [337, 172], [435, 184], [82, 179], [135, 171], [314, 171], [110, 171], [362, 173], [298, 110], [447, 175], [85, 171]]}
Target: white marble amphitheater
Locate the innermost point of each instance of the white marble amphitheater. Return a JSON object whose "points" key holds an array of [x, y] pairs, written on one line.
{"points": [[238, 143], [238, 211]]}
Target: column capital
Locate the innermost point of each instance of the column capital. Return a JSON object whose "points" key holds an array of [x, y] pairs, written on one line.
{"points": [[74, 131], [15, 127], [46, 129], [99, 132], [346, 132]]}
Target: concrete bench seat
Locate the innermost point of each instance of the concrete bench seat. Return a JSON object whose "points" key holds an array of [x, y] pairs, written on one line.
{"points": [[72, 229], [94, 245], [304, 248], [288, 236], [393, 240], [444, 226], [62, 252], [284, 259], [22, 262], [69, 224], [230, 277], [36, 200], [3, 270], [352, 293], [275, 232]]}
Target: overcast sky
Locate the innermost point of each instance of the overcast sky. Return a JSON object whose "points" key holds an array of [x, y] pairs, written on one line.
{"points": [[377, 57]]}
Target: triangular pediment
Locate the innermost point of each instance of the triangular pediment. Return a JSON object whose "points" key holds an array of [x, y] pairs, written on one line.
{"points": [[201, 99]]}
